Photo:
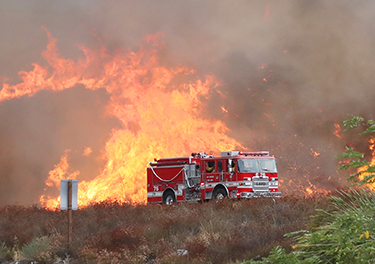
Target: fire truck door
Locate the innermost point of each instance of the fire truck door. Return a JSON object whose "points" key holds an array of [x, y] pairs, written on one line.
{"points": [[229, 174], [211, 174], [220, 170], [203, 173], [225, 175]]}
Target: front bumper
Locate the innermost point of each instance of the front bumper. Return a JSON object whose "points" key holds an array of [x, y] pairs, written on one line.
{"points": [[260, 194]]}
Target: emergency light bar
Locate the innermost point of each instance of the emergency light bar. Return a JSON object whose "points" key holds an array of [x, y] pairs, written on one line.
{"points": [[244, 153], [254, 153]]}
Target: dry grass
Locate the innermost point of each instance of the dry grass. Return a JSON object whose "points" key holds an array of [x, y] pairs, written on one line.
{"points": [[225, 232]]}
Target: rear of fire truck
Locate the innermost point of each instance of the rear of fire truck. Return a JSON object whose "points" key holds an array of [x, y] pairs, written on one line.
{"points": [[173, 179]]}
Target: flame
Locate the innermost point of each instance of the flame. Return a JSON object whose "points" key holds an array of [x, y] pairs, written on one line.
{"points": [[167, 117], [307, 179], [314, 191], [266, 11], [55, 176], [361, 170], [337, 131], [314, 153], [225, 110], [262, 66], [221, 94], [87, 152], [309, 191]]}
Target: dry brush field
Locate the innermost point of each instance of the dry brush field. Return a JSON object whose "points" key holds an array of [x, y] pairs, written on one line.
{"points": [[215, 232]]}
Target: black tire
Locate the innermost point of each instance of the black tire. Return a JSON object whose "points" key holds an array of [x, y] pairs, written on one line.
{"points": [[169, 198], [220, 194]]}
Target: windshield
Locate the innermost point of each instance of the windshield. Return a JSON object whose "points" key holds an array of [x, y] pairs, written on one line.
{"points": [[252, 165], [247, 165], [268, 165]]}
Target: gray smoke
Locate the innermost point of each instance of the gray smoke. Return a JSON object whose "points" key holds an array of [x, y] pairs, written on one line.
{"points": [[289, 71]]}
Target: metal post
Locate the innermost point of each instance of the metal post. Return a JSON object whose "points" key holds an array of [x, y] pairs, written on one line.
{"points": [[70, 221]]}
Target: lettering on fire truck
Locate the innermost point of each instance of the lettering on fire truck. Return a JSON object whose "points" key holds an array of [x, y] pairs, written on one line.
{"points": [[200, 177]]}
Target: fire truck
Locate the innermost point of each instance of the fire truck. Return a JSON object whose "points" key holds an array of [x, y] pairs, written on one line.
{"points": [[202, 177]]}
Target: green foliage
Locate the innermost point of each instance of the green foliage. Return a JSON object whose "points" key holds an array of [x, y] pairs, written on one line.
{"points": [[345, 234], [38, 249], [354, 122], [278, 255], [2, 251], [42, 249], [5, 253], [354, 159], [10, 253]]}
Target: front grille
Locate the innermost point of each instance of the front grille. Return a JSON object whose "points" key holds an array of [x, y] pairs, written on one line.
{"points": [[260, 184]]}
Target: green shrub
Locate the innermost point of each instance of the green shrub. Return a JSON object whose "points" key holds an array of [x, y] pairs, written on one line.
{"points": [[37, 250], [42, 249], [278, 255], [5, 253], [345, 234], [9, 253]]}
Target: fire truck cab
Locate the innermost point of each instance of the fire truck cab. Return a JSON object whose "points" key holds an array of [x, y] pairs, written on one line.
{"points": [[201, 177]]}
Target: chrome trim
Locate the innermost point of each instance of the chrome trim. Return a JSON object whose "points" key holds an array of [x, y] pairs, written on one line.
{"points": [[154, 194]]}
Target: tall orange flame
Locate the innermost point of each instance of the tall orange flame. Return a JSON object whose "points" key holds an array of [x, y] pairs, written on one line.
{"points": [[141, 92]]}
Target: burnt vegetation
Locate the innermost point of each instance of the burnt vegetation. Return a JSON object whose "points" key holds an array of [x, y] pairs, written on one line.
{"points": [[229, 231]]}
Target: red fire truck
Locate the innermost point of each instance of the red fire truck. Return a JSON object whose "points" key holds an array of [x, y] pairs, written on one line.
{"points": [[202, 177]]}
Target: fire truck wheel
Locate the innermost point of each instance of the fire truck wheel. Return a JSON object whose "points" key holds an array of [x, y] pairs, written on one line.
{"points": [[220, 194], [169, 198]]}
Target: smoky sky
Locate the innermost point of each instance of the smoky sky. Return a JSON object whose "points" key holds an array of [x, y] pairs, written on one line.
{"points": [[35, 132], [288, 70]]}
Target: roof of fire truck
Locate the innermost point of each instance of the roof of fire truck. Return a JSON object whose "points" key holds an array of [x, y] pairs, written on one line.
{"points": [[234, 153]]}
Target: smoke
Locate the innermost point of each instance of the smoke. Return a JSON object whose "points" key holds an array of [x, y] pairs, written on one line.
{"points": [[289, 70], [36, 131]]}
